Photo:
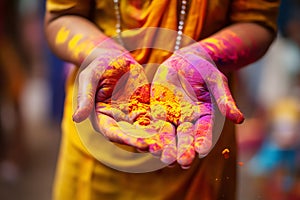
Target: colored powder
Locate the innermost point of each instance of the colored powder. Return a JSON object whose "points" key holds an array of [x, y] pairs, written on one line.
{"points": [[165, 103], [62, 35], [225, 153]]}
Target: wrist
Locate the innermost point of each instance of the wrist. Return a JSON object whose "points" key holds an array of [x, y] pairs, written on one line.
{"points": [[106, 49], [228, 51], [195, 54]]}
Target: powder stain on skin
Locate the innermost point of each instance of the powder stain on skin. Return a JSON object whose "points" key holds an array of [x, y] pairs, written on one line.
{"points": [[74, 41], [84, 48], [62, 35], [227, 43], [73, 44], [186, 151]]}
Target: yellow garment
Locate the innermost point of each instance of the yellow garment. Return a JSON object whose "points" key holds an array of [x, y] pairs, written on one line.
{"points": [[81, 177]]}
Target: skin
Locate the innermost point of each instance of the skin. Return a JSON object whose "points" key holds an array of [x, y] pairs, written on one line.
{"points": [[185, 85], [239, 40], [74, 37]]}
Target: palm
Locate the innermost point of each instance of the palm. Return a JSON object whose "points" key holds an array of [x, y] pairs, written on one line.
{"points": [[107, 84], [181, 93], [122, 99]]}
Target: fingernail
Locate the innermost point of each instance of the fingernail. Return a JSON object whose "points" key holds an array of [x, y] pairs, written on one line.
{"points": [[75, 117], [185, 166], [172, 165], [202, 155], [238, 117], [240, 120], [141, 150]]}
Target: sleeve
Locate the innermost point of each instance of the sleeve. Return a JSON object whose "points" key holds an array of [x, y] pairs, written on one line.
{"points": [[264, 12], [73, 7]]}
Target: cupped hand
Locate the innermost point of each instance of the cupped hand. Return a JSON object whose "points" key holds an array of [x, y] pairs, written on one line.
{"points": [[106, 86], [181, 94]]}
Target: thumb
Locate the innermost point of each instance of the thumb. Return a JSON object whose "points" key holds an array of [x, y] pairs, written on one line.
{"points": [[87, 85], [220, 90], [217, 84]]}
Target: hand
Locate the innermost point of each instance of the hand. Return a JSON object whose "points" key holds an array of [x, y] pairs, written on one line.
{"points": [[106, 84], [130, 123], [181, 94]]}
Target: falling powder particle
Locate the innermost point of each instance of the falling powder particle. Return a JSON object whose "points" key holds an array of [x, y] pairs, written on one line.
{"points": [[225, 153], [241, 163]]}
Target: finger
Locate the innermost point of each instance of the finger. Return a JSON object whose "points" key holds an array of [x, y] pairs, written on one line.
{"points": [[185, 144], [119, 114], [112, 112], [122, 132], [153, 136], [203, 135], [149, 133], [140, 116], [155, 146], [87, 85], [168, 139], [217, 84], [172, 165]]}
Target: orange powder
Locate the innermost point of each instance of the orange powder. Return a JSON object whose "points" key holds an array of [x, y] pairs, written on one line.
{"points": [[165, 103]]}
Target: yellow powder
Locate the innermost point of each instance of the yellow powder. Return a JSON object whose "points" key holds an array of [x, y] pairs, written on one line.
{"points": [[62, 35]]}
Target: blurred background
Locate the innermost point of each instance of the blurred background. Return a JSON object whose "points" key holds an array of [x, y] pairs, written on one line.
{"points": [[31, 102], [32, 94]]}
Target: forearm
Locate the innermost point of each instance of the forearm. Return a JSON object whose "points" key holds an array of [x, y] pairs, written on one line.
{"points": [[238, 45], [71, 37]]}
